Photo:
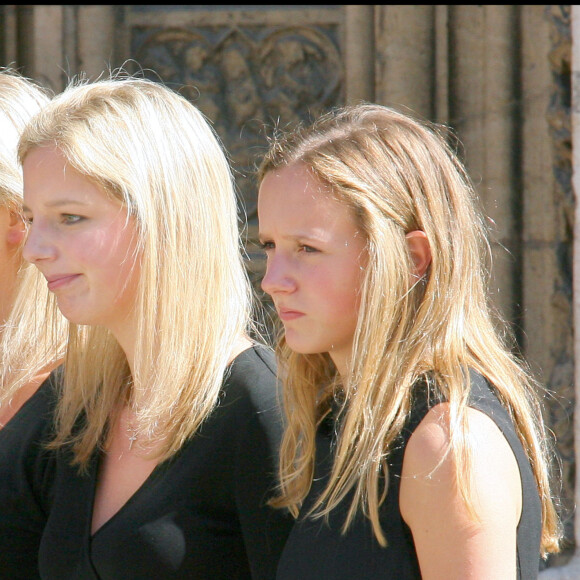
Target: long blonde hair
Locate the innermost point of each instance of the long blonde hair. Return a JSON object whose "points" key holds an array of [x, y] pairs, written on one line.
{"points": [[152, 150], [399, 174], [32, 337]]}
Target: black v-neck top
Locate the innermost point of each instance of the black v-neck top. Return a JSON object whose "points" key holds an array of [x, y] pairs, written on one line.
{"points": [[317, 550], [200, 515], [26, 477]]}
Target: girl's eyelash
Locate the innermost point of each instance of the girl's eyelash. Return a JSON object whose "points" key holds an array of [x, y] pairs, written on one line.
{"points": [[66, 218], [71, 218], [270, 245]]}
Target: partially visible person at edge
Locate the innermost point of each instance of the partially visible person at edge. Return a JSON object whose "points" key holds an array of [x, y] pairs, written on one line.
{"points": [[414, 445], [168, 426], [31, 346]]}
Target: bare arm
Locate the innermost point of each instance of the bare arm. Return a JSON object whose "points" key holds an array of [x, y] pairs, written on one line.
{"points": [[450, 544]]}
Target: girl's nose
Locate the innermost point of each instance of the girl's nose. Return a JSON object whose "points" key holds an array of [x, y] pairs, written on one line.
{"points": [[278, 277], [37, 246]]}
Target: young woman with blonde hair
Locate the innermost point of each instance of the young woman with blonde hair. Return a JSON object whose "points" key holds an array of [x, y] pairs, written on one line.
{"points": [[31, 346], [414, 445], [168, 426], [28, 331]]}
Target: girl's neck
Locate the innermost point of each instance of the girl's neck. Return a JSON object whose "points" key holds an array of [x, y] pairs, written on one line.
{"points": [[125, 334]]}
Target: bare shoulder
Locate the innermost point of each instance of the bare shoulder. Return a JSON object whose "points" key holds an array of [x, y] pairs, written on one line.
{"points": [[451, 543]]}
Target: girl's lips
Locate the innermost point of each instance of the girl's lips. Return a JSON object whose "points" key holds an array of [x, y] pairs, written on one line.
{"points": [[286, 315], [58, 282]]}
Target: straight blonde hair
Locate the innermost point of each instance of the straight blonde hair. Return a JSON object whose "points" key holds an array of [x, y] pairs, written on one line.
{"points": [[152, 150], [399, 174], [32, 337]]}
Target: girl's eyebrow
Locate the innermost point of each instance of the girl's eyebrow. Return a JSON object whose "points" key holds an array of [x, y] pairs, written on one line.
{"points": [[58, 203], [313, 235]]}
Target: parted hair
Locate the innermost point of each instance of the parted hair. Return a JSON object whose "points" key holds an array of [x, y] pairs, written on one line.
{"points": [[152, 150], [32, 336], [400, 174]]}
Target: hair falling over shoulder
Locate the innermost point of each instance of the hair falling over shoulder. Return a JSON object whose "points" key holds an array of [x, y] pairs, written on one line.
{"points": [[152, 150], [400, 174]]}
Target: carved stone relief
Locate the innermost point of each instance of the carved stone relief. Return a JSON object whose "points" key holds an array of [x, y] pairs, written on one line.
{"points": [[561, 381]]}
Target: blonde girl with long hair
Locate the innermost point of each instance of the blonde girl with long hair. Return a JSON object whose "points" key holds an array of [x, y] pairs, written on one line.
{"points": [[168, 425], [28, 331], [32, 338], [414, 445]]}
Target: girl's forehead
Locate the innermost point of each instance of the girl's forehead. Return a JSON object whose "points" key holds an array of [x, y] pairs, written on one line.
{"points": [[293, 182], [292, 205]]}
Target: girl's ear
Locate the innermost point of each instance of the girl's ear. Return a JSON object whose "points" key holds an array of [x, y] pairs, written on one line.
{"points": [[420, 251], [16, 229]]}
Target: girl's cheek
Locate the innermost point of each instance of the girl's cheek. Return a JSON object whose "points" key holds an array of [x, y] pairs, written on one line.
{"points": [[16, 234]]}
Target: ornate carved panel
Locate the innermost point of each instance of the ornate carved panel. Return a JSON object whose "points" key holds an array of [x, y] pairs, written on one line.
{"points": [[244, 69]]}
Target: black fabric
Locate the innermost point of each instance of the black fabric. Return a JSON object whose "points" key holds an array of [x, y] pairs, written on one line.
{"points": [[317, 550], [26, 477], [200, 515]]}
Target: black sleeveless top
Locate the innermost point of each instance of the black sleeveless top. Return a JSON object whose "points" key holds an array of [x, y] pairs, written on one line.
{"points": [[316, 549]]}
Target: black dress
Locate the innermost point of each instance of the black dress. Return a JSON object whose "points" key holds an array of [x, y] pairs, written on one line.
{"points": [[316, 550], [26, 477], [200, 515]]}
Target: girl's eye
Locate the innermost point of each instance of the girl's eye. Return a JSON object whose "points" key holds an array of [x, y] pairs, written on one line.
{"points": [[265, 246], [308, 249], [69, 219]]}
